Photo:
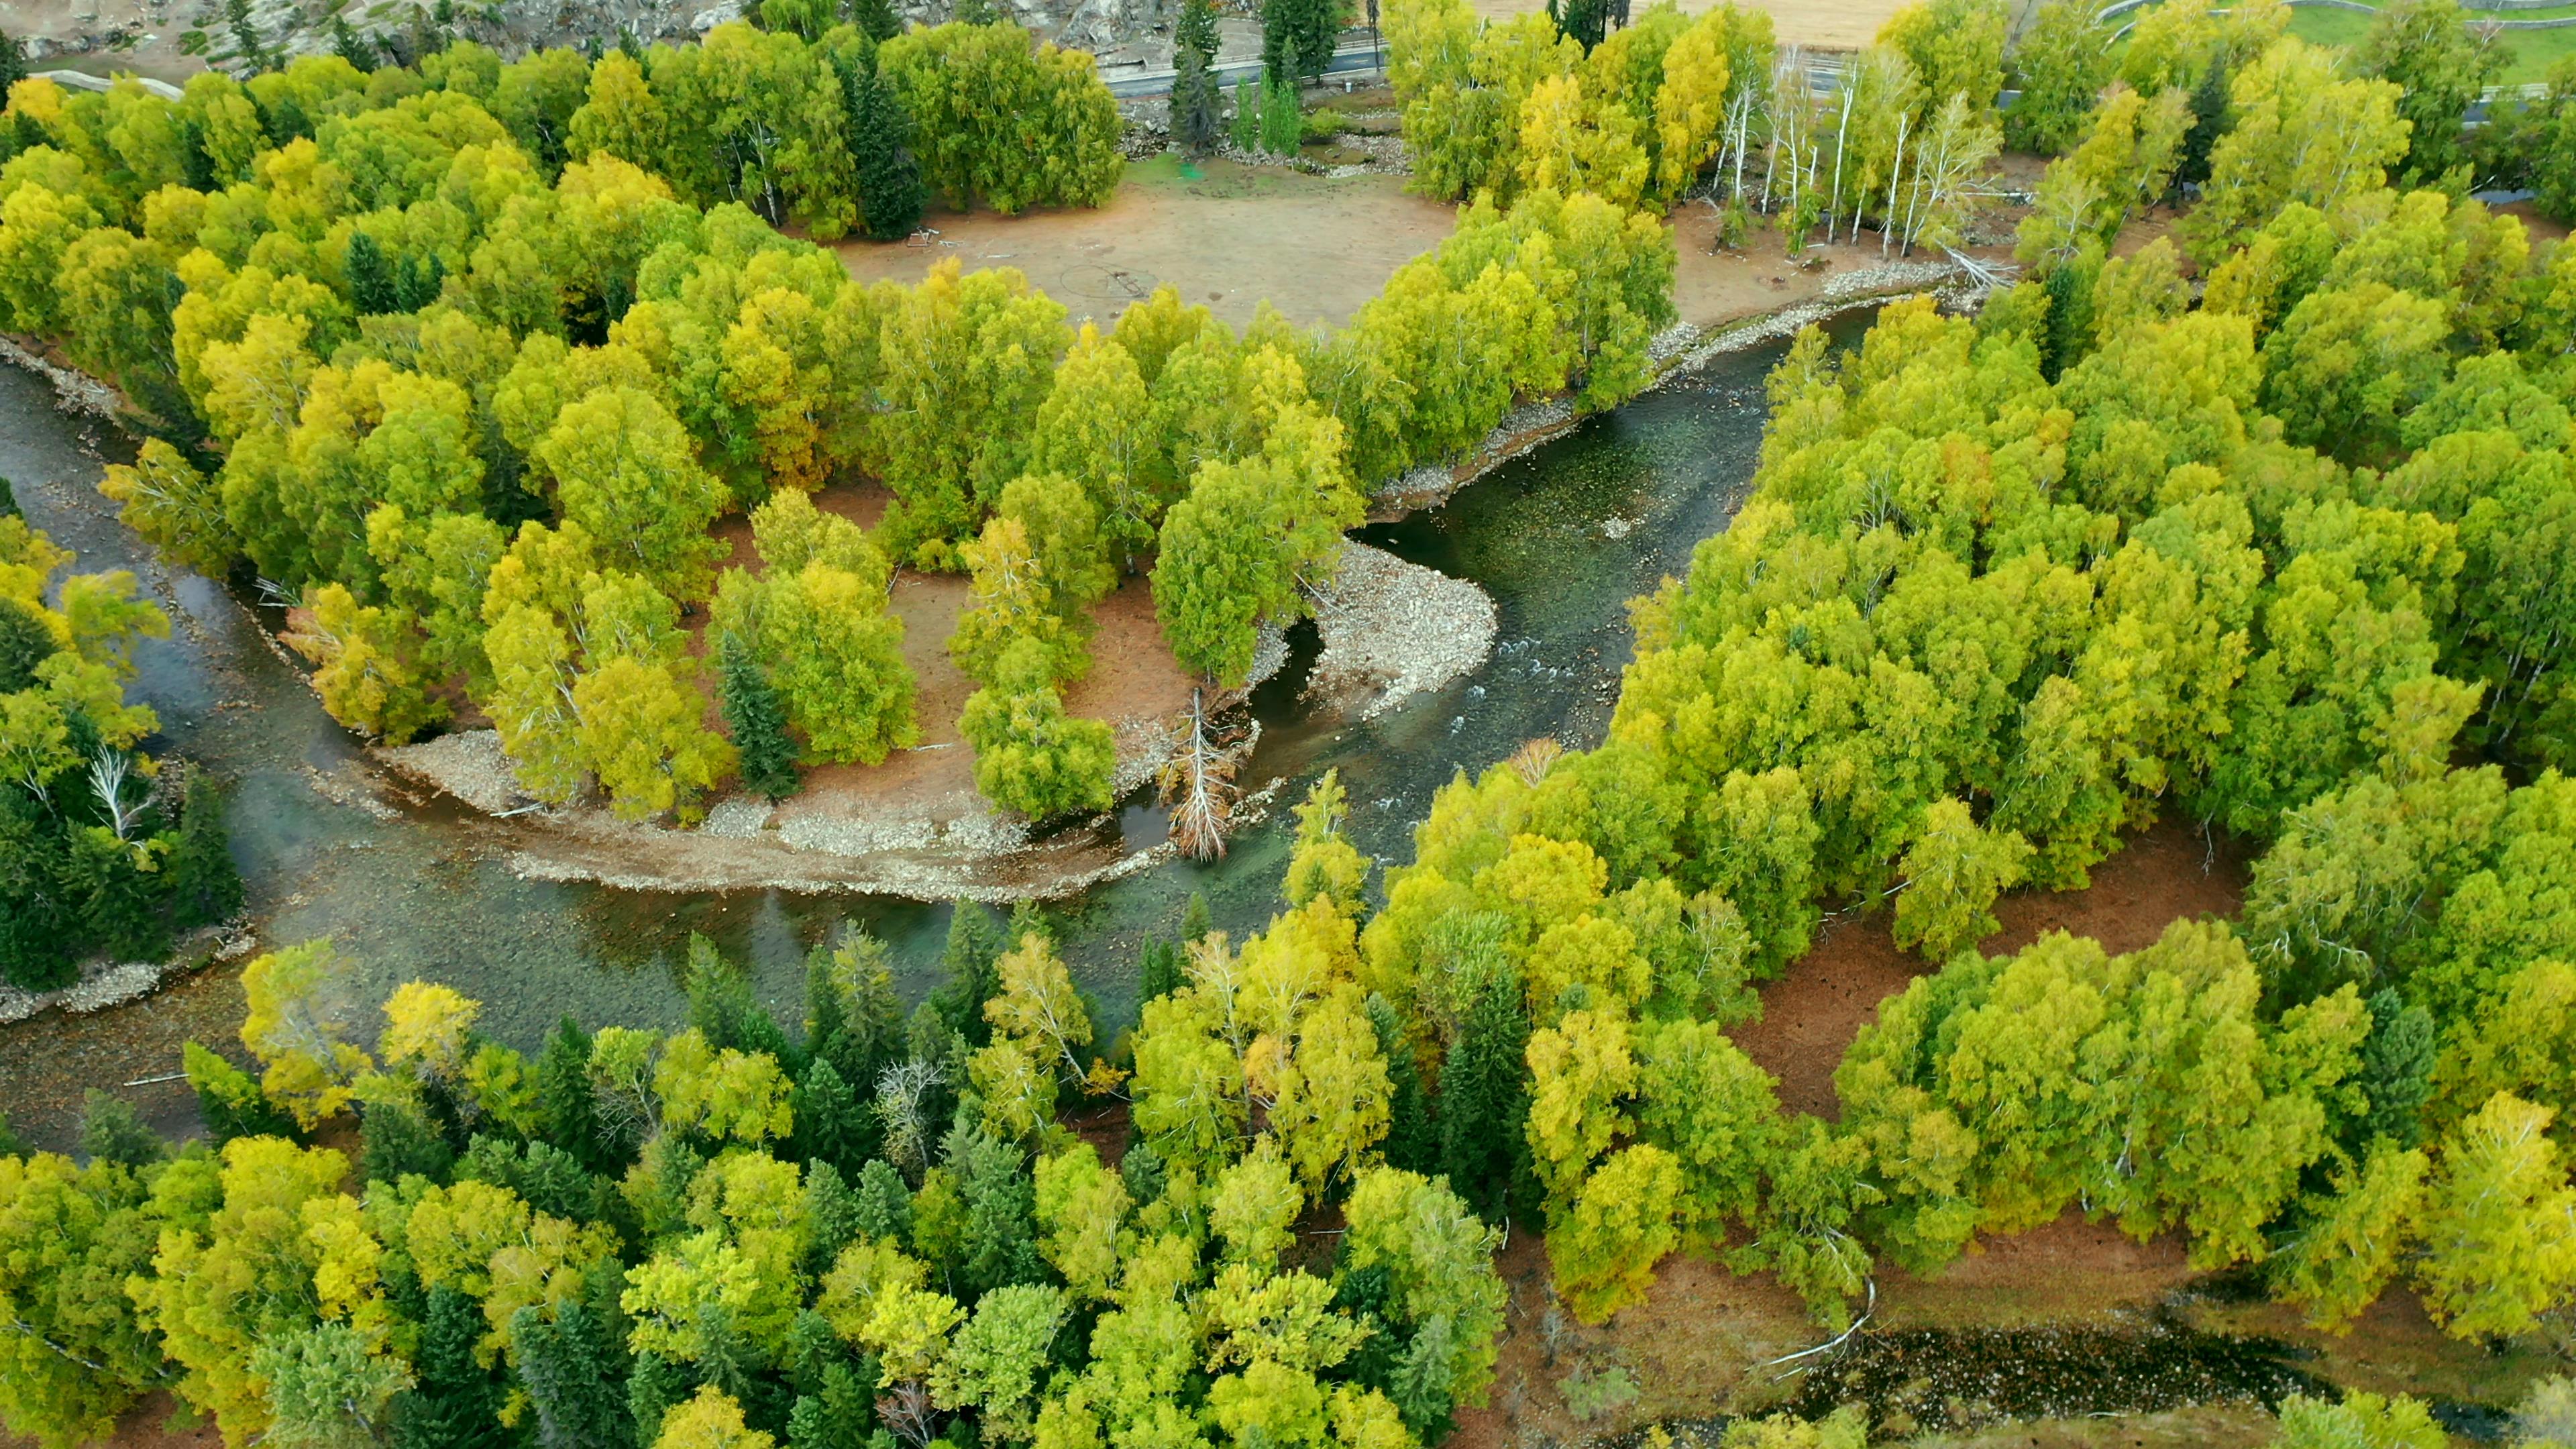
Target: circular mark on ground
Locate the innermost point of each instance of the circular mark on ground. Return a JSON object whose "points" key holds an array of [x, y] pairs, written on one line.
{"points": [[1100, 282]]}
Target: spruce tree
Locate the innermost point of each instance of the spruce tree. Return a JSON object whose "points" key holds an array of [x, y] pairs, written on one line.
{"points": [[832, 1125], [757, 721], [884, 1203], [204, 885], [394, 1141], [891, 193], [564, 1102], [2396, 1072], [876, 19], [2209, 103], [13, 61], [723, 1005], [1159, 970], [1411, 1142], [831, 1216], [975, 943], [455, 1402], [1196, 921], [1195, 103], [370, 277], [1000, 1245], [1484, 1096], [113, 1131], [568, 1366]]}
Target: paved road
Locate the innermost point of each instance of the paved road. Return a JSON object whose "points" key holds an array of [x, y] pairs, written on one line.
{"points": [[1129, 85]]}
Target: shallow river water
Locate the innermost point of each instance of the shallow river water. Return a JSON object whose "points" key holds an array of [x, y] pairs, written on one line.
{"points": [[1561, 537]]}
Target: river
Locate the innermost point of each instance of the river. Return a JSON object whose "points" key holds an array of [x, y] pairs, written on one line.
{"points": [[1561, 537]]}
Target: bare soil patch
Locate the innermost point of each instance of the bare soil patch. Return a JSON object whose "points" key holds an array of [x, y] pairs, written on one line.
{"points": [[1222, 233], [2165, 874]]}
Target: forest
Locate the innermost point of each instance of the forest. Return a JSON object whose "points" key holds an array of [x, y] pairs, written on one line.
{"points": [[463, 362], [2266, 526]]}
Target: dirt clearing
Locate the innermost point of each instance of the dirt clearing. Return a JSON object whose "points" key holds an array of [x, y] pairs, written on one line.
{"points": [[1223, 233], [2166, 874]]}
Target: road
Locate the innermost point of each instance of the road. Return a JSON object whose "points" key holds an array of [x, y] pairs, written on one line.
{"points": [[1359, 60]]}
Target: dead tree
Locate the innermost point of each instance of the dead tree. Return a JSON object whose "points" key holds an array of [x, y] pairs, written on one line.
{"points": [[1198, 785]]}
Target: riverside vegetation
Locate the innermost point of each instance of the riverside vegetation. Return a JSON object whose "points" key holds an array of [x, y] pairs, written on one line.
{"points": [[470, 384], [2270, 530]]}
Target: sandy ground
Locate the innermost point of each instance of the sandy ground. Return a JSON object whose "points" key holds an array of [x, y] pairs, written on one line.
{"points": [[1229, 236], [1237, 234], [1821, 1002]]}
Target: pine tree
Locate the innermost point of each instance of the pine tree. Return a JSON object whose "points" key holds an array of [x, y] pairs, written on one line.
{"points": [[2396, 1071], [204, 885], [455, 1403], [2208, 122], [370, 276], [876, 19], [723, 1005], [1484, 1097], [832, 1124], [758, 723], [891, 192], [1195, 102], [975, 943], [1161, 967], [1411, 1143], [564, 1101], [568, 1366], [394, 1141], [885, 1204]]}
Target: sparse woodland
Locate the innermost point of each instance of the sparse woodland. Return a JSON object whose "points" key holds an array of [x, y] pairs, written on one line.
{"points": [[2267, 526]]}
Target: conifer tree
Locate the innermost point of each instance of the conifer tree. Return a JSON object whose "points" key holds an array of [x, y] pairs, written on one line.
{"points": [[371, 277], [203, 883], [564, 1102], [758, 721], [456, 1402], [975, 943], [891, 191], [832, 1125], [568, 1366], [1161, 967], [1411, 1142], [1484, 1097], [1194, 87]]}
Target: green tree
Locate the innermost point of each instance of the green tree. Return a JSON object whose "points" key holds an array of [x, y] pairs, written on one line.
{"points": [[1194, 103], [2060, 65], [2499, 1226], [1622, 1222], [891, 192], [1030, 755], [2364, 1420], [569, 1366], [326, 1388], [2440, 62], [1953, 872], [624, 470], [758, 723]]}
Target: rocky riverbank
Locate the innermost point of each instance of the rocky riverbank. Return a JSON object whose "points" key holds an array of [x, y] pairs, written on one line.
{"points": [[1392, 630]]}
